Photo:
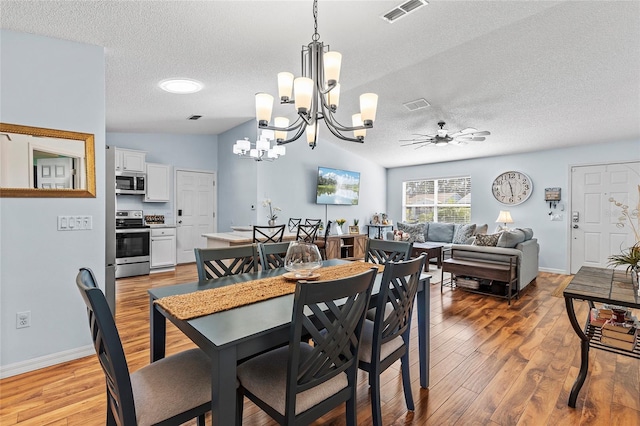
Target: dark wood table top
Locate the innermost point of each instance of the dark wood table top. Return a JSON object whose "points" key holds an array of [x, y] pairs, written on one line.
{"points": [[603, 285]]}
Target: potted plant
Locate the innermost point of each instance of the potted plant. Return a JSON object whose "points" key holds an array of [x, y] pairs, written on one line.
{"points": [[272, 216]]}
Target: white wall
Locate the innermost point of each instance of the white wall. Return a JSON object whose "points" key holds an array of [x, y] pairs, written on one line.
{"points": [[196, 152], [546, 169], [60, 85], [290, 182]]}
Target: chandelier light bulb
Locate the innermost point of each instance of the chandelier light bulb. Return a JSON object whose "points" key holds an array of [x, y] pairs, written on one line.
{"points": [[281, 122], [311, 134], [285, 85], [356, 120], [303, 92], [332, 62], [368, 107], [264, 106], [333, 97], [280, 149]]}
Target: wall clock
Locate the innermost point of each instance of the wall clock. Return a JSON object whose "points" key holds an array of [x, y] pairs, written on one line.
{"points": [[512, 188]]}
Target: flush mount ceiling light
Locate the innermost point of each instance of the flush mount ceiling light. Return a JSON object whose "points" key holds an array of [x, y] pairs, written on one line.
{"points": [[261, 150], [317, 94], [180, 85]]}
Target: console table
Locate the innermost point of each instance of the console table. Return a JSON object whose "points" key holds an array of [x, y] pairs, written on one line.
{"points": [[597, 285], [380, 229]]}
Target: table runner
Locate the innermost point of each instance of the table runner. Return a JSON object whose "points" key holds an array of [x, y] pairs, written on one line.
{"points": [[206, 302]]}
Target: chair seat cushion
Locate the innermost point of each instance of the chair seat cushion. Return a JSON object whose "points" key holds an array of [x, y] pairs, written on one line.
{"points": [[366, 344], [265, 376], [171, 386]]}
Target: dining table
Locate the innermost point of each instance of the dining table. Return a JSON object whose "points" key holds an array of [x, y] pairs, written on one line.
{"points": [[230, 336]]}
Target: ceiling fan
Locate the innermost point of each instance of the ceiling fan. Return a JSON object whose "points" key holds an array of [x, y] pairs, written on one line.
{"points": [[443, 137]]}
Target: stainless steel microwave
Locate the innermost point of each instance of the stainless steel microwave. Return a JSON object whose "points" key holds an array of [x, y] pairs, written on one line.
{"points": [[130, 183]]}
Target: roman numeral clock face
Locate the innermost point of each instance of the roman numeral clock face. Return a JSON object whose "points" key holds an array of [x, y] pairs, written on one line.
{"points": [[512, 188]]}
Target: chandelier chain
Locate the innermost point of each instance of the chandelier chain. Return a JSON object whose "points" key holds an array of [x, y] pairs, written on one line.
{"points": [[315, 36]]}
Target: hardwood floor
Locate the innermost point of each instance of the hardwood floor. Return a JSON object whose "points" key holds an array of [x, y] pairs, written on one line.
{"points": [[491, 364]]}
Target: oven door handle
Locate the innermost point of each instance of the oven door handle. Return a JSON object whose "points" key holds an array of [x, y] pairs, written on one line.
{"points": [[132, 230]]}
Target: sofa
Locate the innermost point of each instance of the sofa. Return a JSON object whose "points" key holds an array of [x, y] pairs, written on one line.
{"points": [[481, 246]]}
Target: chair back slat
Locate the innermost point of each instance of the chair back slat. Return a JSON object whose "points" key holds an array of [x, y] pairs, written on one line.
{"points": [[312, 221], [293, 223], [307, 233], [383, 251], [222, 262], [108, 346], [268, 234], [272, 255]]}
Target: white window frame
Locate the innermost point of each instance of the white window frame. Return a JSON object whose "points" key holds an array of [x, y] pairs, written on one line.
{"points": [[436, 203]]}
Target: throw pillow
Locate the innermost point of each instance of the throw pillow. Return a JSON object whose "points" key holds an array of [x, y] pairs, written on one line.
{"points": [[441, 232], [510, 239], [464, 233], [415, 231], [487, 240], [481, 229], [528, 233]]}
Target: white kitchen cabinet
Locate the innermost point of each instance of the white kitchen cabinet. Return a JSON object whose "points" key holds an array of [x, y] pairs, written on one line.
{"points": [[158, 183], [128, 160], [163, 248]]}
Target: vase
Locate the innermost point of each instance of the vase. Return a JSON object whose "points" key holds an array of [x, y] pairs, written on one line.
{"points": [[272, 222]]}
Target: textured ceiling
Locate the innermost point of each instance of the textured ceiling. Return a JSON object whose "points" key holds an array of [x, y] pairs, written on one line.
{"points": [[536, 74]]}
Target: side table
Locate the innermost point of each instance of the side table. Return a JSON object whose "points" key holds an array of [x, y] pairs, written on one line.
{"points": [[380, 229]]}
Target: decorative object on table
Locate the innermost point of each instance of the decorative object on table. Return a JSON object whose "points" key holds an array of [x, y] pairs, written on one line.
{"points": [[272, 216], [375, 219], [400, 235], [339, 223], [316, 96], [444, 137], [385, 219], [261, 150], [512, 188], [630, 256], [504, 217], [356, 222], [302, 259], [354, 229]]}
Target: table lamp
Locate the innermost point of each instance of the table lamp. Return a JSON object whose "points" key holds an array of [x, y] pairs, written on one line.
{"points": [[504, 217]]}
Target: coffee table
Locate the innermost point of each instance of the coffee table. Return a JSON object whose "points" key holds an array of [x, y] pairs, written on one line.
{"points": [[433, 250]]}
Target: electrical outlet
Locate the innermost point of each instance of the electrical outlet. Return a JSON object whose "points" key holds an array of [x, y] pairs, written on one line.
{"points": [[23, 319]]}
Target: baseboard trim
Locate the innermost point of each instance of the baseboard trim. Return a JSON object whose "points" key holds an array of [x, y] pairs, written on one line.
{"points": [[554, 271], [45, 361]]}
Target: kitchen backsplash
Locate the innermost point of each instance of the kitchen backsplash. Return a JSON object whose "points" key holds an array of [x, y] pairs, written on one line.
{"points": [[154, 219]]}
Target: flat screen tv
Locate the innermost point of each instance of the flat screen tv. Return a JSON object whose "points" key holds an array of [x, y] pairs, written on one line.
{"points": [[336, 186]]}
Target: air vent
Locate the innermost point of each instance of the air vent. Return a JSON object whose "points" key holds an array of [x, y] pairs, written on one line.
{"points": [[194, 117], [403, 10], [417, 104]]}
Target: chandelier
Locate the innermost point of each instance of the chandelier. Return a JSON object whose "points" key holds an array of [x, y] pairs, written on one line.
{"points": [[261, 150], [316, 96]]}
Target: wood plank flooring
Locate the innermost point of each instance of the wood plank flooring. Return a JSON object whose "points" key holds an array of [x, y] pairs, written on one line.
{"points": [[491, 364]]}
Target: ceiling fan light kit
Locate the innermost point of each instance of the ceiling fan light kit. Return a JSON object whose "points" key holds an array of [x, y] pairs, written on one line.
{"points": [[316, 96], [442, 137]]}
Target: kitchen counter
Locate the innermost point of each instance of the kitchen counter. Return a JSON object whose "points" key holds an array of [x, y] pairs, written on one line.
{"points": [[236, 238], [160, 225]]}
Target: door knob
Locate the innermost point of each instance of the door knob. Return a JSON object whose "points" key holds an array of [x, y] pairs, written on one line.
{"points": [[575, 226], [181, 222]]}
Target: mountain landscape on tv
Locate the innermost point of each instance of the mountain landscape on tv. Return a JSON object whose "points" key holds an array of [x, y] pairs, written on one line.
{"points": [[337, 186]]}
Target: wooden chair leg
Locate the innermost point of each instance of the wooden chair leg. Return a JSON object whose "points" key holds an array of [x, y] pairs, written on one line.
{"points": [[376, 410], [406, 381]]}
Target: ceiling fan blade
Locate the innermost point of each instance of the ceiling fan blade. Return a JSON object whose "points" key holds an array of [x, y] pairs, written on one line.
{"points": [[482, 133], [415, 143], [470, 138], [464, 132]]}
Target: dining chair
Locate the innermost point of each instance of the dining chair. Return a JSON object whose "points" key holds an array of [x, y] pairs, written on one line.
{"points": [[298, 383], [224, 261], [383, 251], [386, 338], [272, 255], [170, 391], [268, 234], [307, 233], [312, 221], [322, 244], [293, 223]]}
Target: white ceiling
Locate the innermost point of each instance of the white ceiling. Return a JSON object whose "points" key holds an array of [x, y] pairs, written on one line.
{"points": [[536, 74]]}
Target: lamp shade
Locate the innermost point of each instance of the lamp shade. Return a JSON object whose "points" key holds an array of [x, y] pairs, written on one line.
{"points": [[504, 217], [311, 134], [264, 106], [303, 92], [285, 85], [356, 120], [281, 122], [368, 106], [333, 96], [332, 62]]}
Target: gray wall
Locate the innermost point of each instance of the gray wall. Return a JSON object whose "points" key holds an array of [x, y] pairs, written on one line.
{"points": [[290, 182], [60, 85], [195, 152], [546, 169]]}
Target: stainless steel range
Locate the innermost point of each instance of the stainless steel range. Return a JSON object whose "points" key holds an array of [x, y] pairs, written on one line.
{"points": [[132, 244]]}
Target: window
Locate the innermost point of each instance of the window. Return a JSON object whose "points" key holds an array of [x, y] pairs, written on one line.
{"points": [[437, 200]]}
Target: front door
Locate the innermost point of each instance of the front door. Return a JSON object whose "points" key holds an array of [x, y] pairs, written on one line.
{"points": [[195, 211], [599, 227]]}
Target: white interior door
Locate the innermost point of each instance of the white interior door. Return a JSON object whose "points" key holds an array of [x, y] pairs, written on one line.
{"points": [[598, 228], [55, 173], [195, 211]]}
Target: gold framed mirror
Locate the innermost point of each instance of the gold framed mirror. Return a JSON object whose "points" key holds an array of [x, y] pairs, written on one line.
{"points": [[39, 162]]}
